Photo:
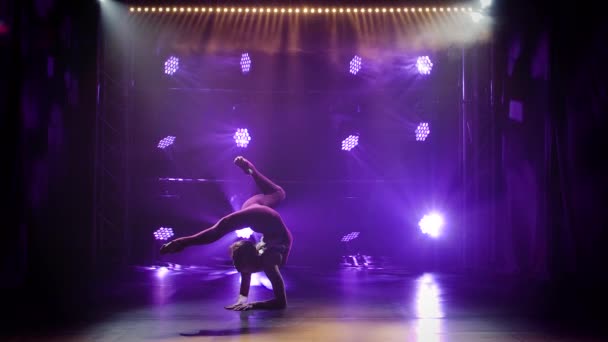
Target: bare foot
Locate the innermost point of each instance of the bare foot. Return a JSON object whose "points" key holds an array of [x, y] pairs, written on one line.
{"points": [[174, 246], [244, 164]]}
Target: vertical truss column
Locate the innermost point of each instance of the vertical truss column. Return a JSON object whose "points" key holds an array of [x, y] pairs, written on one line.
{"points": [[109, 240]]}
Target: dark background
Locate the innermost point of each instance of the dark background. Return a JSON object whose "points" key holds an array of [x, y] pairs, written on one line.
{"points": [[534, 192]]}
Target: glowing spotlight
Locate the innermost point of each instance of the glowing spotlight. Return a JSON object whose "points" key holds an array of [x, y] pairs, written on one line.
{"points": [[476, 17], [431, 225], [422, 131], [355, 65], [163, 233], [171, 65], [245, 63], [424, 65], [259, 279], [166, 141], [350, 236], [242, 137], [244, 233], [350, 142]]}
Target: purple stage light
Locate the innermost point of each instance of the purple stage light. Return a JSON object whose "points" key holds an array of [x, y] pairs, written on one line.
{"points": [[350, 236], [259, 279], [171, 65], [245, 63], [422, 131], [166, 141], [242, 137], [355, 65], [350, 142], [244, 233], [431, 225], [163, 233], [424, 65]]}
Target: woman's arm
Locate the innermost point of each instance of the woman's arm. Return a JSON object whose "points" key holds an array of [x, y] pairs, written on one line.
{"points": [[227, 224], [245, 283], [278, 286], [271, 262], [243, 293]]}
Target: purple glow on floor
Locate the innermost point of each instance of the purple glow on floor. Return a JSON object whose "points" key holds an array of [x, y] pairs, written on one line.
{"points": [[162, 272], [244, 233], [428, 301], [350, 142], [242, 137]]}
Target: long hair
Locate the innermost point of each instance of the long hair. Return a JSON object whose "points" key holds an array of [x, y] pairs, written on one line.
{"points": [[242, 249]]}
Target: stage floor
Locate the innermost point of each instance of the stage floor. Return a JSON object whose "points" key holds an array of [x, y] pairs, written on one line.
{"points": [[181, 303]]}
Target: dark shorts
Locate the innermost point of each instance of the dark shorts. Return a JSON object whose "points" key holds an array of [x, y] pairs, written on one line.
{"points": [[282, 249]]}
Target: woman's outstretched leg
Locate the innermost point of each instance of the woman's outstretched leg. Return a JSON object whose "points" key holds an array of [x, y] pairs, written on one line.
{"points": [[236, 220], [271, 194]]}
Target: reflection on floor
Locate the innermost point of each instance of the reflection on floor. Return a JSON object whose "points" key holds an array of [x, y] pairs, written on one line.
{"points": [[175, 302]]}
